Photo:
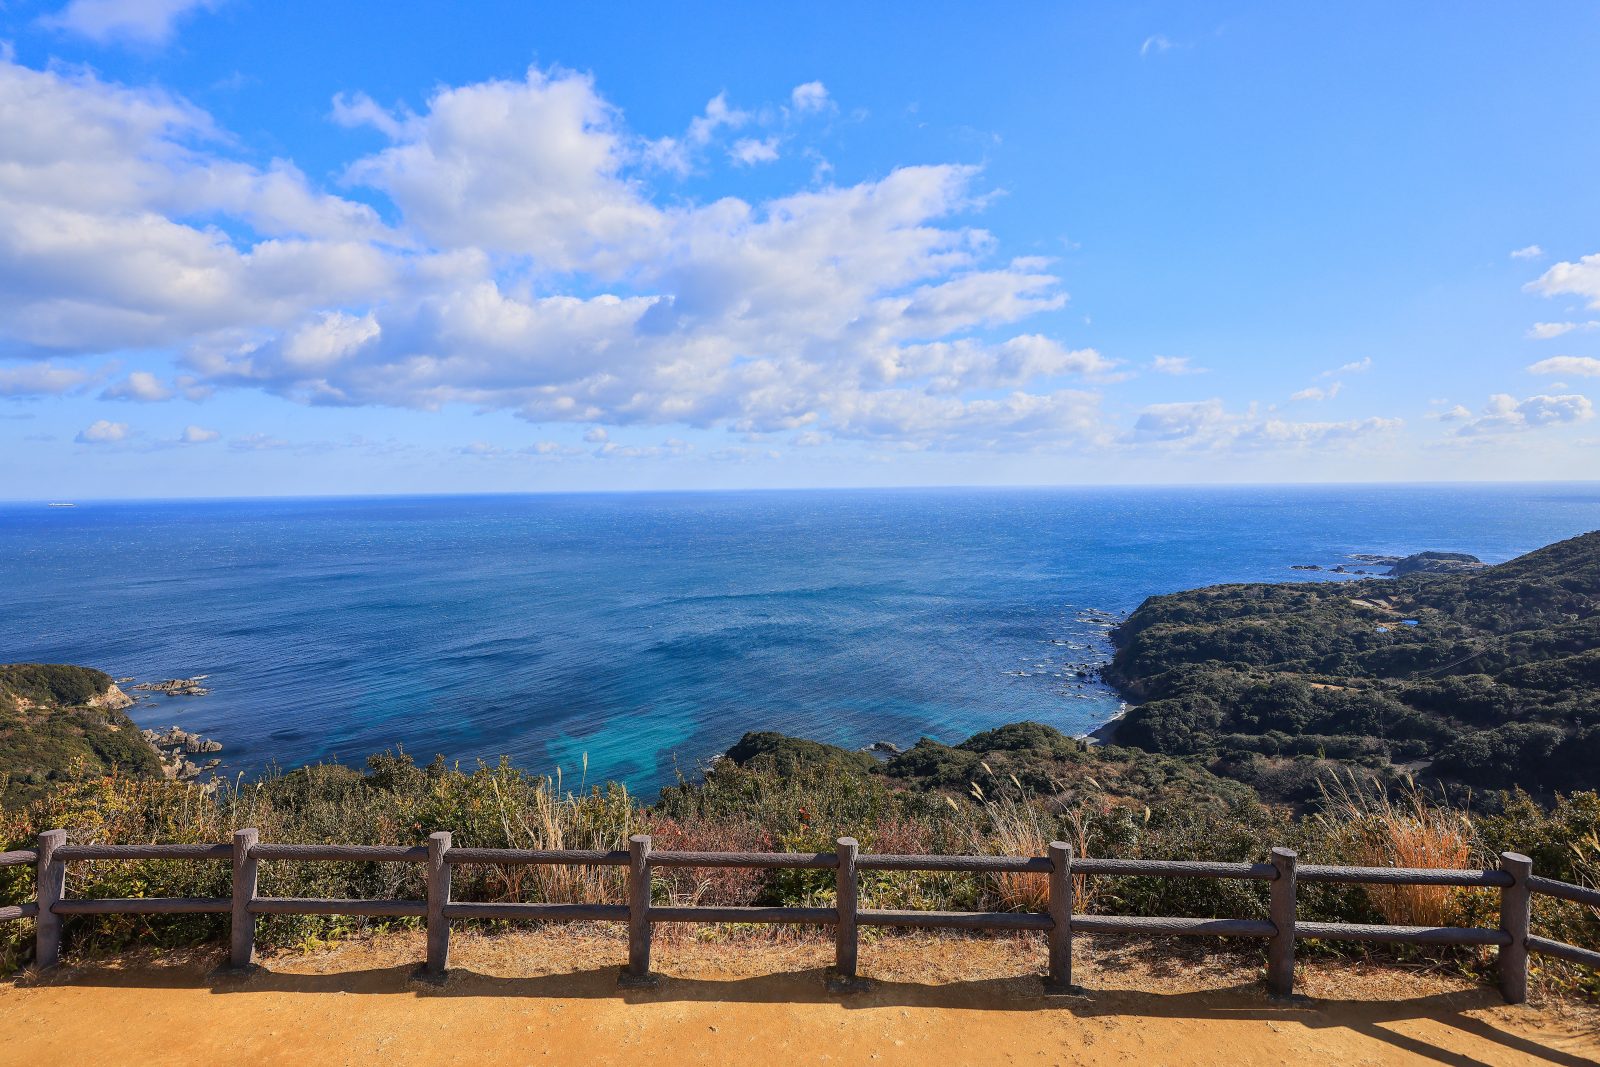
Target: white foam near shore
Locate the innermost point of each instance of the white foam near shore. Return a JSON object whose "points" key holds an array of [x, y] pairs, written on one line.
{"points": [[1106, 732]]}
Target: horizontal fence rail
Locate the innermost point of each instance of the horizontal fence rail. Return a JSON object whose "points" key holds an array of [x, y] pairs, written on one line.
{"points": [[1059, 922]]}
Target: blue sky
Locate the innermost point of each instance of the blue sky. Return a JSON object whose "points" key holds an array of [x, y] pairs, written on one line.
{"points": [[292, 248]]}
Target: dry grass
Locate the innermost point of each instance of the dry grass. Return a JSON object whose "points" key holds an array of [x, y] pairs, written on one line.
{"points": [[1016, 828], [1385, 830]]}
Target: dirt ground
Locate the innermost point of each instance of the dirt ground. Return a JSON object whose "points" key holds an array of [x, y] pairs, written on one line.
{"points": [[552, 997]]}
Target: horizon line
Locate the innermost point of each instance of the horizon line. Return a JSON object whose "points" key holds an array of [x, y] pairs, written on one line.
{"points": [[952, 487]]}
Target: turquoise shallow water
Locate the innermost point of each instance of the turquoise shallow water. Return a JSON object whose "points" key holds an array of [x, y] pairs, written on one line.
{"points": [[649, 631]]}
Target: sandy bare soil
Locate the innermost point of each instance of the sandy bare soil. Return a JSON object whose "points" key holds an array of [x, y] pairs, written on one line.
{"points": [[552, 997]]}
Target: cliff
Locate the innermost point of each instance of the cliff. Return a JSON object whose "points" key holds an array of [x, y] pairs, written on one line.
{"points": [[57, 721], [1488, 678]]}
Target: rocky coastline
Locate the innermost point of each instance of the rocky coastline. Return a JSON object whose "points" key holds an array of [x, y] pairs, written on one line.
{"points": [[175, 747], [1430, 562]]}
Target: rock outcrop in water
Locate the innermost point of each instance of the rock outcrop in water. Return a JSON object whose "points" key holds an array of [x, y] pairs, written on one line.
{"points": [[1437, 563], [176, 745], [177, 687]]}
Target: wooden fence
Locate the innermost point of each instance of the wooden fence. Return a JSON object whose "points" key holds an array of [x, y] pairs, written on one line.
{"points": [[1058, 922]]}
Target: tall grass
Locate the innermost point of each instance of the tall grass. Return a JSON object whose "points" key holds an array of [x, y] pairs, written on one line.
{"points": [[804, 810], [1403, 829], [1016, 828]]}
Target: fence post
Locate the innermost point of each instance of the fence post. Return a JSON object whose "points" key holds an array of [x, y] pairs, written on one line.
{"points": [[51, 882], [1280, 954], [1059, 979], [637, 975], [847, 896], [438, 896], [1516, 913], [242, 946]]}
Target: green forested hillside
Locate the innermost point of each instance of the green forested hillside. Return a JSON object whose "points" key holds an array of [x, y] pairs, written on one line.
{"points": [[55, 717], [1490, 680], [1025, 757]]}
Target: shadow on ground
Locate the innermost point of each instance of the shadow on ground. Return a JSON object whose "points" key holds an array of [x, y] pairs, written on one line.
{"points": [[1374, 1019]]}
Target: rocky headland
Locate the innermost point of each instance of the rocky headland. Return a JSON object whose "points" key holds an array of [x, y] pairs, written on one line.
{"points": [[175, 746], [177, 687], [1481, 677]]}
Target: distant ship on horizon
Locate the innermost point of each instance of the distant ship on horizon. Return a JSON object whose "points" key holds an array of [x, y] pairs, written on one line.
{"points": [[54, 504]]}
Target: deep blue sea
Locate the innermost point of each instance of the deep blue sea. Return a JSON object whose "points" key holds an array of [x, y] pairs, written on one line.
{"points": [[649, 631]]}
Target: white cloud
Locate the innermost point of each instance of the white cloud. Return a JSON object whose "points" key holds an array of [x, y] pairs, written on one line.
{"points": [[107, 235], [1359, 366], [1208, 425], [531, 167], [1175, 365], [532, 268], [1318, 392], [258, 442], [748, 151], [810, 97], [1544, 331], [667, 449], [140, 385], [552, 448], [198, 435], [103, 432], [1506, 414], [141, 21], [718, 115], [1583, 366], [41, 379], [1581, 279], [1530, 252], [1179, 421], [1155, 43]]}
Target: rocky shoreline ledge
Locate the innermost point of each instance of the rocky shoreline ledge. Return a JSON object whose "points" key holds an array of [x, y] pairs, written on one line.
{"points": [[175, 746]]}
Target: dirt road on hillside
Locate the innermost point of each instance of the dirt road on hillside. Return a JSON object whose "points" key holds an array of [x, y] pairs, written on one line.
{"points": [[548, 998]]}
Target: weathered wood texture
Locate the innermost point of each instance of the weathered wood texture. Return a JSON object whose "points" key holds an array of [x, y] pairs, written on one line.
{"points": [[338, 906], [1564, 890], [145, 906], [847, 889], [1514, 878], [1175, 869], [1408, 935], [955, 920], [639, 906], [1516, 914], [1400, 876], [344, 853], [1563, 951], [1164, 926], [508, 857], [461, 909], [706, 914], [75, 853], [1059, 975], [50, 880], [793, 860], [438, 901], [242, 926], [1280, 954], [1039, 864]]}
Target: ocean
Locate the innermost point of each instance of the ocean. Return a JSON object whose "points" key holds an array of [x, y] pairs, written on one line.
{"points": [[645, 632]]}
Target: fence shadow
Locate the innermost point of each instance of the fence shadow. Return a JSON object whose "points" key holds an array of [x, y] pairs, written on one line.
{"points": [[1373, 1019]]}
